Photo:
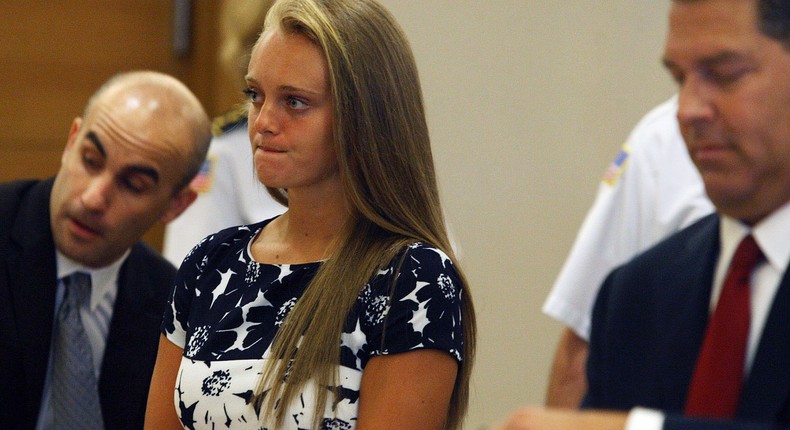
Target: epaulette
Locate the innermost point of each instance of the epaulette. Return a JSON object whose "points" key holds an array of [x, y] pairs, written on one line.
{"points": [[236, 116]]}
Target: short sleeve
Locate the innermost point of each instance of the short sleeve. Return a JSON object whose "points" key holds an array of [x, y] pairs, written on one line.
{"points": [[422, 310], [650, 191], [176, 317]]}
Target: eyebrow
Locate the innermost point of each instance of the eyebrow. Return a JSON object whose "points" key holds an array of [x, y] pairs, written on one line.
{"points": [[143, 170], [97, 143], [724, 57], [291, 89], [286, 88]]}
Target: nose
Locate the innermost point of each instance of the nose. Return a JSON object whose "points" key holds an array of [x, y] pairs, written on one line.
{"points": [[98, 194], [264, 118], [694, 102]]}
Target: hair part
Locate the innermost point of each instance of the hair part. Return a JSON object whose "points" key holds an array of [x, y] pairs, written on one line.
{"points": [[382, 144], [240, 24]]}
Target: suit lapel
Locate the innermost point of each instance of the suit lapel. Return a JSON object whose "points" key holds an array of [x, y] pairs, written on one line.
{"points": [[126, 367], [767, 390], [33, 282], [684, 295]]}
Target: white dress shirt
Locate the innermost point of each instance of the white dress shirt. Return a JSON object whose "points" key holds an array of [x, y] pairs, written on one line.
{"points": [[96, 319]]}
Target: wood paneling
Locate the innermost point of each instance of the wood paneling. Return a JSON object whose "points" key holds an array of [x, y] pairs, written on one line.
{"points": [[55, 54]]}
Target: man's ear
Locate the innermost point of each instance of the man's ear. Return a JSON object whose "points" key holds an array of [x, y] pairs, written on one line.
{"points": [[178, 204], [73, 132]]}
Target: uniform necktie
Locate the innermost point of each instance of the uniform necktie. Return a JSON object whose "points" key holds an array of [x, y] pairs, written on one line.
{"points": [[75, 394], [716, 383]]}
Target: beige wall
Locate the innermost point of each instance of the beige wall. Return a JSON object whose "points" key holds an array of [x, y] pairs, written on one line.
{"points": [[56, 54], [528, 101]]}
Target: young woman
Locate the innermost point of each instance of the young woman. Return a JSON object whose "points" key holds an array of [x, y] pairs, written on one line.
{"points": [[349, 310]]}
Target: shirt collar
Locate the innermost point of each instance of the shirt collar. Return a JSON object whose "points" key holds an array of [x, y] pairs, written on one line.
{"points": [[103, 279], [772, 235]]}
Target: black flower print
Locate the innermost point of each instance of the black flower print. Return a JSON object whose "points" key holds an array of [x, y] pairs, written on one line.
{"points": [[226, 308], [215, 384]]}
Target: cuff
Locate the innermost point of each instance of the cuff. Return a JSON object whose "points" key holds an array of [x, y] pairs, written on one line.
{"points": [[644, 419]]}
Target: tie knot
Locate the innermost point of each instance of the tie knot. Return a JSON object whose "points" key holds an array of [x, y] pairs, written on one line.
{"points": [[746, 256], [79, 285]]}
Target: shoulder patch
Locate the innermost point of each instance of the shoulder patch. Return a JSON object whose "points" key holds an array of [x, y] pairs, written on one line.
{"points": [[204, 179], [616, 168], [229, 120]]}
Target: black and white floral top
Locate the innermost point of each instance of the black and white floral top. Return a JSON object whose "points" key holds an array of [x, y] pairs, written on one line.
{"points": [[226, 308]]}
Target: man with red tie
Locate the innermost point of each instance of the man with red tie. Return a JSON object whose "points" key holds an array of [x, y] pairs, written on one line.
{"points": [[695, 332]]}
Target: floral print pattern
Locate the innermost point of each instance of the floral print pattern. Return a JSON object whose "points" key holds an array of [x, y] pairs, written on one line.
{"points": [[226, 308]]}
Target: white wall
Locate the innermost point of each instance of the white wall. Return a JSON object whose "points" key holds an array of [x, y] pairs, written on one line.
{"points": [[528, 101]]}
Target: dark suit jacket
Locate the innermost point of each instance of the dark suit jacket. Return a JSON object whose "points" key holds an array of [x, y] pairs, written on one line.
{"points": [[27, 306], [648, 323]]}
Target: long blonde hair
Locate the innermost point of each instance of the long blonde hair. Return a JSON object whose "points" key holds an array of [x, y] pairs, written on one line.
{"points": [[384, 155]]}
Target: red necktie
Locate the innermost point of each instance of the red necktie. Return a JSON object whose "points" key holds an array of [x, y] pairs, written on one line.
{"points": [[716, 384]]}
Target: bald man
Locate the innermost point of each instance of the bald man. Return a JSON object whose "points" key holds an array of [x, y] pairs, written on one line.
{"points": [[126, 165]]}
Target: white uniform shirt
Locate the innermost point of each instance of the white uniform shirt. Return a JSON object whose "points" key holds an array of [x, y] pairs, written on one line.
{"points": [[229, 194], [650, 190]]}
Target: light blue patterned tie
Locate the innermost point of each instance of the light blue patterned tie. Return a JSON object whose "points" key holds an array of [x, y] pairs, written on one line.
{"points": [[75, 394]]}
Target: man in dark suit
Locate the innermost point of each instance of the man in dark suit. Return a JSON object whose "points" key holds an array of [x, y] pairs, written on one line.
{"points": [[126, 165], [663, 344]]}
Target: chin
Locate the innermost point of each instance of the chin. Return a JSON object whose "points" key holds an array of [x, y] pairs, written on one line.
{"points": [[270, 182], [87, 256]]}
